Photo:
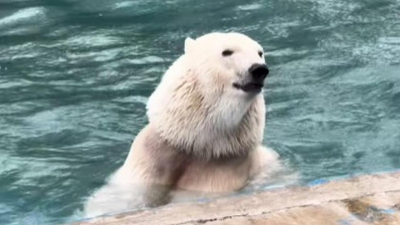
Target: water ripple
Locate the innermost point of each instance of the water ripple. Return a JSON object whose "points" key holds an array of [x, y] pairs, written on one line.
{"points": [[75, 77]]}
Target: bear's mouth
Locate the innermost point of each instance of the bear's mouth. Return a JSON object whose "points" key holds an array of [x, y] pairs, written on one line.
{"points": [[252, 87]]}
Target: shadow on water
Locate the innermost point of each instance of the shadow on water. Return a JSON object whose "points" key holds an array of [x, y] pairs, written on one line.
{"points": [[75, 77]]}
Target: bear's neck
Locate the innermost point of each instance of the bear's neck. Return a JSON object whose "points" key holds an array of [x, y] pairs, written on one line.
{"points": [[212, 132]]}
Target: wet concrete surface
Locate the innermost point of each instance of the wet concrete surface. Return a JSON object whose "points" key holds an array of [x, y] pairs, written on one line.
{"points": [[367, 199]]}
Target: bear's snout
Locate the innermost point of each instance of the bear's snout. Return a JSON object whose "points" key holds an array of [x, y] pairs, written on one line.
{"points": [[258, 72]]}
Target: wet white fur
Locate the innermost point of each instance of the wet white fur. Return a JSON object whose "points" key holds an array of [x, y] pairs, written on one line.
{"points": [[215, 127], [202, 72]]}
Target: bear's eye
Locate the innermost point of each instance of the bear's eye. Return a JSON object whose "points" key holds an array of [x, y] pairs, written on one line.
{"points": [[260, 53], [227, 52]]}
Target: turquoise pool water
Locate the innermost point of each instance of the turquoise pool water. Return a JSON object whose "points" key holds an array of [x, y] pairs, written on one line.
{"points": [[75, 76]]}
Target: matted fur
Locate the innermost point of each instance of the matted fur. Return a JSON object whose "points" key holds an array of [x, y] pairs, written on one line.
{"points": [[199, 117], [203, 136], [193, 127]]}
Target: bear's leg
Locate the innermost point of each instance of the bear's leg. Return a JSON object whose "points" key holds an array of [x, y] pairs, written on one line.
{"points": [[164, 168]]}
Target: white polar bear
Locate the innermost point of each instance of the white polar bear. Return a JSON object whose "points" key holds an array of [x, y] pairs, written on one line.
{"points": [[206, 124]]}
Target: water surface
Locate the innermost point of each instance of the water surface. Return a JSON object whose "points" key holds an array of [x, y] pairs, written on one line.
{"points": [[75, 76]]}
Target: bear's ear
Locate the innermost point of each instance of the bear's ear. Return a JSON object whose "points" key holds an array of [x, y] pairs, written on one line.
{"points": [[189, 43]]}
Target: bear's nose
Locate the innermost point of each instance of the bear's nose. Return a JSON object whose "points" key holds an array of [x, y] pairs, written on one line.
{"points": [[259, 71]]}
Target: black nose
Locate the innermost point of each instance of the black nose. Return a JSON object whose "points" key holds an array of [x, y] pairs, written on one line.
{"points": [[259, 71]]}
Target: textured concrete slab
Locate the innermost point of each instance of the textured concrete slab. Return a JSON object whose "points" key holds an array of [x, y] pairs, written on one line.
{"points": [[369, 199]]}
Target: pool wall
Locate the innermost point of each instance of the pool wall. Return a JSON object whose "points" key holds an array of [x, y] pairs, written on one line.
{"points": [[366, 199]]}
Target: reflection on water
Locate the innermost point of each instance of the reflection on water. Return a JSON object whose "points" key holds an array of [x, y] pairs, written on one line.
{"points": [[75, 77]]}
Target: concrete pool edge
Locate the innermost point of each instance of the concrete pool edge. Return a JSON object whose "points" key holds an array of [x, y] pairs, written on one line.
{"points": [[365, 199]]}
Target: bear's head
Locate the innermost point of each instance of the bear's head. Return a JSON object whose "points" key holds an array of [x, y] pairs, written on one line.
{"points": [[209, 102], [231, 62]]}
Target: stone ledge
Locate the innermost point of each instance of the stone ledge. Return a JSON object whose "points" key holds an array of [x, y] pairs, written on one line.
{"points": [[368, 199]]}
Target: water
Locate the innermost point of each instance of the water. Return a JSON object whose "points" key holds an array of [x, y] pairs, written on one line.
{"points": [[75, 76]]}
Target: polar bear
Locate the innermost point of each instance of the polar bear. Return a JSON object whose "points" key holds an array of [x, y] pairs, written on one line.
{"points": [[205, 131]]}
